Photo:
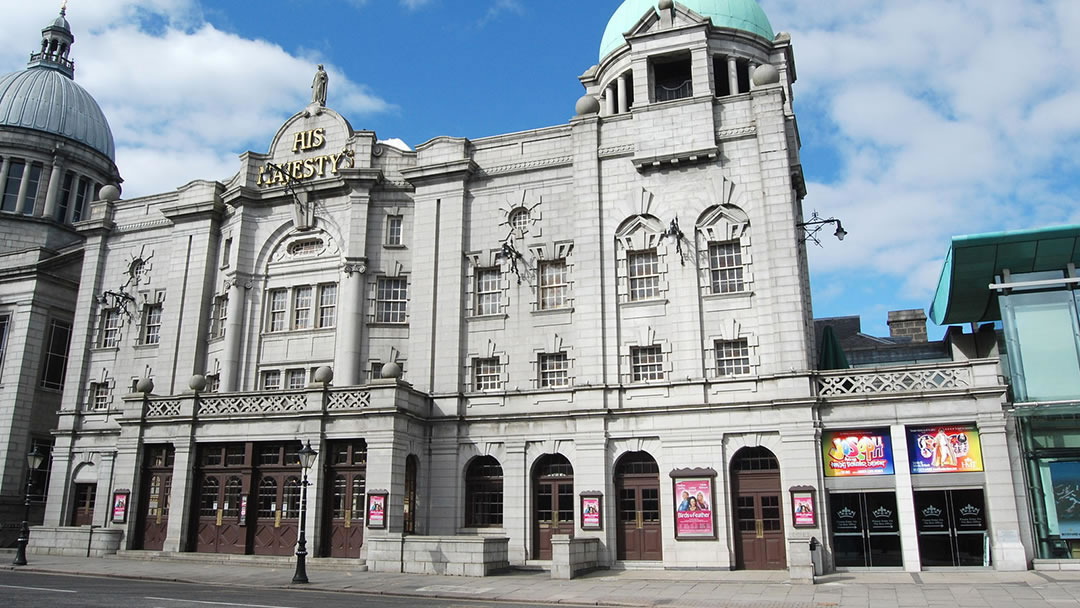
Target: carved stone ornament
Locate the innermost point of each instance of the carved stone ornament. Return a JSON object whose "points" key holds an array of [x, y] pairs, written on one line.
{"points": [[318, 87], [355, 267]]}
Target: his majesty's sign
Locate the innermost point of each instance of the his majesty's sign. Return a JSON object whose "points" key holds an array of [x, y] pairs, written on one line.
{"points": [[308, 167]]}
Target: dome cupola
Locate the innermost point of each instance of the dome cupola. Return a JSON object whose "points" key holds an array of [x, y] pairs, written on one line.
{"points": [[44, 96], [743, 15]]}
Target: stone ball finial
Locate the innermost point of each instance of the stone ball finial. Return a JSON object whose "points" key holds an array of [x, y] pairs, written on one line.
{"points": [[587, 106], [666, 4], [324, 375], [765, 75], [144, 385], [391, 370], [110, 193], [197, 382]]}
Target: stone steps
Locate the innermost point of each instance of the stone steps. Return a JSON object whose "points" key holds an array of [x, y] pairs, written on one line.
{"points": [[313, 563]]}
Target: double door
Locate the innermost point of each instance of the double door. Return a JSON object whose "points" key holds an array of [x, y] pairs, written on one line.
{"points": [[952, 527], [638, 535], [83, 508], [554, 512], [344, 515], [155, 495], [277, 520], [221, 515], [866, 530], [759, 522]]}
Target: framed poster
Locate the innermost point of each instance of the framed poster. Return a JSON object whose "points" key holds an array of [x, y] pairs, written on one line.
{"points": [[803, 507], [592, 511], [120, 506], [850, 453], [694, 494], [1065, 480], [376, 510], [945, 449]]}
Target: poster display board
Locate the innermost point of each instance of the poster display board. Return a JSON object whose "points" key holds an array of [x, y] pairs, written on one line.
{"points": [[694, 498], [376, 510], [848, 453], [803, 507], [944, 449], [120, 506], [1065, 479], [592, 511]]}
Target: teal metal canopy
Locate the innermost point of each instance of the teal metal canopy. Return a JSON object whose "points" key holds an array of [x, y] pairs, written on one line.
{"points": [[745, 15], [963, 293]]}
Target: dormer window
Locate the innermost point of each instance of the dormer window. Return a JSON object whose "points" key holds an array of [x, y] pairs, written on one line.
{"points": [[672, 77]]}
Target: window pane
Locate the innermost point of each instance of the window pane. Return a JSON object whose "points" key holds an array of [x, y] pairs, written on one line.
{"points": [[646, 363], [487, 374], [393, 230], [110, 328], [328, 305], [56, 355], [302, 308], [390, 300], [488, 291], [278, 304], [644, 272], [725, 267], [554, 370], [152, 324], [732, 357], [553, 286]]}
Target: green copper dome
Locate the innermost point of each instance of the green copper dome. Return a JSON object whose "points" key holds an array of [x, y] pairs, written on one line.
{"points": [[743, 15]]}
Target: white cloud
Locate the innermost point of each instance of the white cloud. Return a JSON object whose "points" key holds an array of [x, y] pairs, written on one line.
{"points": [[945, 118], [183, 98]]}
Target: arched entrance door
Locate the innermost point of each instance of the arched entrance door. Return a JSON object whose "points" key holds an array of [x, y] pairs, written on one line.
{"points": [[553, 502], [759, 522], [637, 488]]}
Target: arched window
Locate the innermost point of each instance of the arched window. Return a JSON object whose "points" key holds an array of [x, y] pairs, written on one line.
{"points": [[484, 493], [754, 459]]}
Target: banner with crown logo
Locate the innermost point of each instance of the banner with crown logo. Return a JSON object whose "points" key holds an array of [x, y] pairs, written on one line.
{"points": [[945, 449]]}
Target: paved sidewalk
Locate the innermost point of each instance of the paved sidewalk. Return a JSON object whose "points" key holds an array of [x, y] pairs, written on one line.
{"points": [[684, 589]]}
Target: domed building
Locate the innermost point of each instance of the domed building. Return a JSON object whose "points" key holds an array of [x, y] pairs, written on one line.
{"points": [[56, 151], [584, 345]]}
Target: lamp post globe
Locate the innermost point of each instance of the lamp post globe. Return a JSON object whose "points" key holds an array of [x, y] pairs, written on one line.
{"points": [[33, 461], [307, 459]]}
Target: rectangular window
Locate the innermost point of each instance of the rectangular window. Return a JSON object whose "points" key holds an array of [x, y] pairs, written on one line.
{"points": [[110, 328], [151, 333], [279, 304], [221, 315], [271, 380], [56, 355], [65, 197], [393, 229], [553, 286], [488, 291], [11, 187], [213, 383], [226, 253], [646, 363], [99, 396], [376, 371], [644, 272], [328, 305], [32, 185], [81, 194], [296, 378], [4, 321], [487, 374], [554, 370], [732, 357], [302, 307], [725, 267], [391, 298]]}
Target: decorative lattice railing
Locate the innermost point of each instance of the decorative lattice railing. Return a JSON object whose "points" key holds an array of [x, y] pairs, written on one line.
{"points": [[163, 408], [854, 382], [272, 403], [348, 400]]}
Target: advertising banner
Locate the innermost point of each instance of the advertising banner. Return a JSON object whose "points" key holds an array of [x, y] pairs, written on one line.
{"points": [[803, 506], [1065, 477], [693, 508], [945, 449], [590, 513], [859, 452], [376, 511]]}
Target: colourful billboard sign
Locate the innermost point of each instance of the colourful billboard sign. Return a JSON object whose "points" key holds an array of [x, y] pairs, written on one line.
{"points": [[693, 513], [1065, 478], [858, 452], [945, 449]]}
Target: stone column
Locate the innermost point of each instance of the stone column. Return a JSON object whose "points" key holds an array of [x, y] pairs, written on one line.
{"points": [[1005, 546], [183, 486], [624, 107], [104, 490], [516, 514], [733, 75], [609, 101], [234, 329], [56, 179], [905, 499], [5, 166], [347, 362], [72, 197], [24, 185]]}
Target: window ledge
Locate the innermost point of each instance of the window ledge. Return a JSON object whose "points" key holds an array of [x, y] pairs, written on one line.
{"points": [[734, 295], [294, 332], [553, 311], [105, 349], [146, 346], [387, 324], [389, 246], [643, 303], [501, 315]]}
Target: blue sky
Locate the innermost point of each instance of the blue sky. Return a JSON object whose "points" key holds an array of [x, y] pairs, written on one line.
{"points": [[920, 119]]}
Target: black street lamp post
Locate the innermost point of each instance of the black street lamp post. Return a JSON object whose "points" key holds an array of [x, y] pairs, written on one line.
{"points": [[34, 460], [307, 458]]}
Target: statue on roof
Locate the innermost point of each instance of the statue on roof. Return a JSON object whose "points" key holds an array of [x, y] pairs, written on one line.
{"points": [[318, 87]]}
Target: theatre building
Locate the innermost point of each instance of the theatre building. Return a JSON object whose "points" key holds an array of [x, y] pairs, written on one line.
{"points": [[584, 345]]}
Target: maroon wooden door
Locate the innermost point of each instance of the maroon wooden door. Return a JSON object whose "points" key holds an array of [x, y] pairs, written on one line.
{"points": [[637, 485], [553, 502], [344, 516], [154, 502], [222, 509], [759, 524], [277, 518], [83, 509]]}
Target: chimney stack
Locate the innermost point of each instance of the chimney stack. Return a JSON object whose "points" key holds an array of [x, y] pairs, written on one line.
{"points": [[908, 324]]}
